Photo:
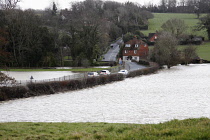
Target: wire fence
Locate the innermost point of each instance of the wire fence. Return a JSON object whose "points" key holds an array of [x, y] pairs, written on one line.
{"points": [[65, 78]]}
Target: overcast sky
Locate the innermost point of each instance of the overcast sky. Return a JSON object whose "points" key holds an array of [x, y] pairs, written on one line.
{"points": [[61, 4]]}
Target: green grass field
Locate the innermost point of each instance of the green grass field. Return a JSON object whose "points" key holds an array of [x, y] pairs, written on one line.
{"points": [[191, 20], [190, 129], [160, 18], [203, 50]]}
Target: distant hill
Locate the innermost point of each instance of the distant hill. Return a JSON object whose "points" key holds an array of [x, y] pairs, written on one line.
{"points": [[159, 18]]}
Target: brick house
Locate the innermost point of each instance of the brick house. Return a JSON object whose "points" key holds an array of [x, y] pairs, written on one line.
{"points": [[135, 50], [152, 37]]}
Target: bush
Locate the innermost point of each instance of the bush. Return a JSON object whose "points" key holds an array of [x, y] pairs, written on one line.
{"points": [[7, 93], [91, 81], [75, 84], [40, 89], [153, 68]]}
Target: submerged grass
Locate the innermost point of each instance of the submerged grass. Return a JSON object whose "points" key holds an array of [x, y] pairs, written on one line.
{"points": [[195, 129], [74, 70]]}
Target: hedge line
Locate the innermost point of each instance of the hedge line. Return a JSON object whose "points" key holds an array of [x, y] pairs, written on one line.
{"points": [[32, 89], [37, 89], [152, 69]]}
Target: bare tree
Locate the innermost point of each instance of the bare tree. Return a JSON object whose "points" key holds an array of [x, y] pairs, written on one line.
{"points": [[204, 24], [189, 53], [172, 5], [8, 4], [5, 80], [165, 51], [175, 26], [163, 5]]}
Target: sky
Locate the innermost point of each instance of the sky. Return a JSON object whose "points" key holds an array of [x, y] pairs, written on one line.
{"points": [[62, 4]]}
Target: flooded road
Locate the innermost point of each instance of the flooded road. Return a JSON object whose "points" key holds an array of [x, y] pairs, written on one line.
{"points": [[179, 93]]}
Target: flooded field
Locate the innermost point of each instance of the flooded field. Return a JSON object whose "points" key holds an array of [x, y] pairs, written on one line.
{"points": [[38, 75], [179, 93]]}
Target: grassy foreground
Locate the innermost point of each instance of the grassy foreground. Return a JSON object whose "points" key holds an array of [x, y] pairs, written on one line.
{"points": [[193, 129]]}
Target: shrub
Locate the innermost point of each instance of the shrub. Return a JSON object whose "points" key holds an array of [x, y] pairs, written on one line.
{"points": [[40, 89], [7, 93], [75, 84], [91, 81], [116, 77]]}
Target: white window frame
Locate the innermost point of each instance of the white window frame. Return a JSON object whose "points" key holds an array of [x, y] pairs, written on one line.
{"points": [[136, 45], [127, 45], [155, 37], [135, 51], [126, 51]]}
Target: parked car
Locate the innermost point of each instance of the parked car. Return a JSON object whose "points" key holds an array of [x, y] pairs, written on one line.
{"points": [[124, 72], [105, 72], [92, 74]]}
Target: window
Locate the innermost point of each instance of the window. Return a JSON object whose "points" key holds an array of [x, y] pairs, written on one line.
{"points": [[145, 45], [135, 51], [155, 37], [127, 45], [136, 45], [126, 51]]}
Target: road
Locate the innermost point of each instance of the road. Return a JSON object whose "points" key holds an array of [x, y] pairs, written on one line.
{"points": [[130, 66], [113, 51], [111, 55]]}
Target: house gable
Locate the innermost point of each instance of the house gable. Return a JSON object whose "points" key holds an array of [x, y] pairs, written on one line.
{"points": [[152, 37], [137, 49]]}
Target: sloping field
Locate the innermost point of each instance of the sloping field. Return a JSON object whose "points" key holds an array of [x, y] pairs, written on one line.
{"points": [[191, 20], [160, 18]]}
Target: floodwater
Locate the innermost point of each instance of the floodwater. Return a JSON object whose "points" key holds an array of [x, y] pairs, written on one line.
{"points": [[37, 75], [179, 93]]}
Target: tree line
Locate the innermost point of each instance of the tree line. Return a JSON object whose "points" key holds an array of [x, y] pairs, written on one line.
{"points": [[33, 38], [180, 6]]}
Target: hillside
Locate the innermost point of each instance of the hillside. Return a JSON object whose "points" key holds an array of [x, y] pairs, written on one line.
{"points": [[160, 18], [190, 19]]}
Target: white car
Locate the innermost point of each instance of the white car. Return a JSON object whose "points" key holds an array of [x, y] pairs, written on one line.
{"points": [[105, 72], [124, 72], [92, 74]]}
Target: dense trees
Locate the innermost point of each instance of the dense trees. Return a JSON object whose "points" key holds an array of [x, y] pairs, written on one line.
{"points": [[91, 24], [42, 38], [205, 24], [181, 6], [27, 41]]}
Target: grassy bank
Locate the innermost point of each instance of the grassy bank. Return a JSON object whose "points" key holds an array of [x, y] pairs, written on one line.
{"points": [[160, 18], [194, 129]]}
